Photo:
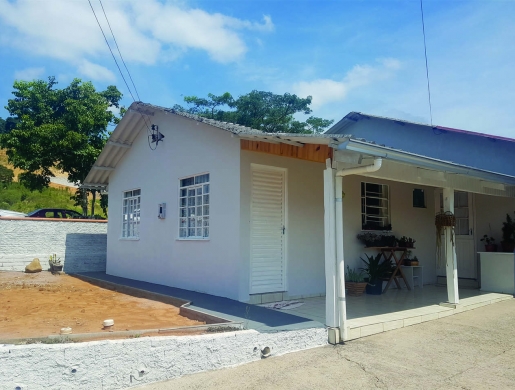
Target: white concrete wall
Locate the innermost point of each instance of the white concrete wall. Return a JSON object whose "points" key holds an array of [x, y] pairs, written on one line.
{"points": [[305, 224], [118, 364], [406, 220], [189, 148], [81, 245]]}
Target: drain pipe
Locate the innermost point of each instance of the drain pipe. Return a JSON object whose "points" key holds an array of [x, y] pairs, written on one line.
{"points": [[340, 264]]}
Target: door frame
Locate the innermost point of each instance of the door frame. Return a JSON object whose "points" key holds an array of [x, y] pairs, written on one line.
{"points": [[472, 215], [253, 167]]}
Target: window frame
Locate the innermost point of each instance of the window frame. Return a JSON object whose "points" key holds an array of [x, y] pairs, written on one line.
{"points": [[387, 226], [205, 218], [137, 217]]}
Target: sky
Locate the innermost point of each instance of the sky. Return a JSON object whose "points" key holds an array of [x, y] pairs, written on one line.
{"points": [[349, 55]]}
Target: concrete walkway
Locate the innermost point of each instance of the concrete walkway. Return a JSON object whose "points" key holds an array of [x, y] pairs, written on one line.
{"points": [[252, 316], [470, 350]]}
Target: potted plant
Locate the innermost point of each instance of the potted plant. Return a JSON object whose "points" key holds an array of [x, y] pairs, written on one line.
{"points": [[376, 268], [354, 282], [55, 263], [414, 261], [508, 235], [406, 242], [489, 243], [369, 239]]}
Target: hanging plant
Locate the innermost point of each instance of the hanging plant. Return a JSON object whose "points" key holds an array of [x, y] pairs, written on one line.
{"points": [[443, 220]]}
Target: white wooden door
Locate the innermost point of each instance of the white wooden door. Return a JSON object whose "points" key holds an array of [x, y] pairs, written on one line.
{"points": [[464, 235], [267, 229]]}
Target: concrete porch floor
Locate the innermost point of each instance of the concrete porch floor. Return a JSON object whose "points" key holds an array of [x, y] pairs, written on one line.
{"points": [[370, 314]]}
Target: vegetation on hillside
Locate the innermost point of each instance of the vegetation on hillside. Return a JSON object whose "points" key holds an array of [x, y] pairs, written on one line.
{"points": [[16, 197]]}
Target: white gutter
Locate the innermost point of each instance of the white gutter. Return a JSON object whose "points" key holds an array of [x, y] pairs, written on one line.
{"points": [[340, 263]]}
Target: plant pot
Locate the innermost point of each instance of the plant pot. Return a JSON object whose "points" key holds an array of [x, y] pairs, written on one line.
{"points": [[413, 262], [491, 248], [355, 289], [508, 246], [375, 287]]}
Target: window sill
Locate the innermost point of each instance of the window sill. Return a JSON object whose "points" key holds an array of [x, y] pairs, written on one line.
{"points": [[129, 238], [192, 239]]}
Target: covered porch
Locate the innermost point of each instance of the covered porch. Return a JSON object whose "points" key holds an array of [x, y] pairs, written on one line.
{"points": [[349, 317], [370, 314]]}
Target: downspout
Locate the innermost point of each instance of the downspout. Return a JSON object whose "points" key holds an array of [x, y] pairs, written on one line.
{"points": [[340, 263]]}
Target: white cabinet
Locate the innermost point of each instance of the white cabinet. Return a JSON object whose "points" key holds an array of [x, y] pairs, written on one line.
{"points": [[414, 274]]}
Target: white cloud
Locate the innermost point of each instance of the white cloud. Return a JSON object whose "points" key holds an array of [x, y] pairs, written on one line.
{"points": [[29, 74], [146, 32], [326, 91], [96, 72]]}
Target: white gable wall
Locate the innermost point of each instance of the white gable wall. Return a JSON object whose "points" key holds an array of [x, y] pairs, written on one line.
{"points": [[189, 148]]}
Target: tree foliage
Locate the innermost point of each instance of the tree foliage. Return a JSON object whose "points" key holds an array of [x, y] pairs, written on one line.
{"points": [[6, 175], [6, 125], [57, 128], [260, 110]]}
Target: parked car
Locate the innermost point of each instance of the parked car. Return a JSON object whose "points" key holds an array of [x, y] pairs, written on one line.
{"points": [[9, 213], [55, 213]]}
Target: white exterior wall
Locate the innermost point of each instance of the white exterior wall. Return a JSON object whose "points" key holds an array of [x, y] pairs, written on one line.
{"points": [[406, 220], [119, 364], [189, 148], [80, 245], [305, 272]]}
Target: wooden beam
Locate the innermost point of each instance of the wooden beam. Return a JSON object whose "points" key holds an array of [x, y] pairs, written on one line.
{"points": [[310, 152]]}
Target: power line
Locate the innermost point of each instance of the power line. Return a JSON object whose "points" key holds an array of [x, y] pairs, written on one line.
{"points": [[119, 52], [149, 133], [427, 68], [114, 58]]}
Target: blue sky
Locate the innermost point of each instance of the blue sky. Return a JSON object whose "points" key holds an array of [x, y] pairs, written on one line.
{"points": [[363, 56]]}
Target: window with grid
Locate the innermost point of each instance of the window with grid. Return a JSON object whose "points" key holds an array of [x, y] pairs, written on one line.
{"points": [[131, 213], [375, 207], [194, 207]]}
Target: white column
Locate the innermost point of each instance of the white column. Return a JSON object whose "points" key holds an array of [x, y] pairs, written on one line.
{"points": [[451, 268], [340, 264], [331, 309]]}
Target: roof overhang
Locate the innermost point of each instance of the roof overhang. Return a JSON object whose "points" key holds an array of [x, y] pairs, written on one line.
{"points": [[374, 150]]}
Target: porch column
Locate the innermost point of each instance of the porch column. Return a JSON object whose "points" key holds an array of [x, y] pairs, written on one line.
{"points": [[331, 313], [451, 267], [340, 264]]}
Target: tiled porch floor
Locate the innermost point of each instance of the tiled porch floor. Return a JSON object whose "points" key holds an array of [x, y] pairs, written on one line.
{"points": [[369, 314]]}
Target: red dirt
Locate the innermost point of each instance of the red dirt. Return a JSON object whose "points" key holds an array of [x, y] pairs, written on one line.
{"points": [[39, 305]]}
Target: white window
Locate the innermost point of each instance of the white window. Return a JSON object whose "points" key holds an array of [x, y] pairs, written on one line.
{"points": [[375, 207], [131, 214], [194, 207]]}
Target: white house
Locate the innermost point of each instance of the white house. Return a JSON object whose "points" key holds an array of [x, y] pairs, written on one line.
{"points": [[256, 217]]}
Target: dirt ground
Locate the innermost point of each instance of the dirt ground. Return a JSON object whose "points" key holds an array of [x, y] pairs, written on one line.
{"points": [[471, 350], [39, 305]]}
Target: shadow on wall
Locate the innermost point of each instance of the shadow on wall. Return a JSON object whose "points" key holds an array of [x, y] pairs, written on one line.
{"points": [[85, 253]]}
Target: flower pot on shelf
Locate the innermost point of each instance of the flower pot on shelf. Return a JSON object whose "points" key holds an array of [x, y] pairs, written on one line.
{"points": [[508, 246], [355, 289], [491, 248]]}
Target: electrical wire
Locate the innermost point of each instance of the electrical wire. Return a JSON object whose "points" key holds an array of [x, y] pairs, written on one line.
{"points": [[427, 68], [119, 52], [145, 119], [114, 58]]}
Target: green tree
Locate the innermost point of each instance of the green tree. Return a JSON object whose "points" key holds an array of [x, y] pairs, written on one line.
{"points": [[6, 125], [6, 175], [260, 110], [57, 128]]}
